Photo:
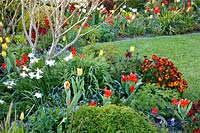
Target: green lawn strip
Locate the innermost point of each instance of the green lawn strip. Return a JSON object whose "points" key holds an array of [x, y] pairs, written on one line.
{"points": [[183, 50]]}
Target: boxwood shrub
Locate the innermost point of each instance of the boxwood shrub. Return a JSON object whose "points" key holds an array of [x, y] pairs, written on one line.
{"points": [[109, 119]]}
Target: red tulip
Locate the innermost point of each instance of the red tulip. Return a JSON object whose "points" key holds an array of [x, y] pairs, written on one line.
{"points": [[25, 58], [184, 102], [92, 104], [124, 78], [3, 66], [74, 51], [157, 10], [175, 101], [172, 8], [132, 88], [165, 2], [107, 93], [154, 110], [132, 77]]}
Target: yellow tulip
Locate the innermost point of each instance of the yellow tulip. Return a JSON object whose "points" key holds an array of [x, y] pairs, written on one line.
{"points": [[163, 4], [66, 85], [7, 39], [129, 21], [4, 46], [64, 38], [112, 11], [3, 53], [79, 71], [1, 24], [132, 49], [21, 116], [101, 53], [1, 39]]}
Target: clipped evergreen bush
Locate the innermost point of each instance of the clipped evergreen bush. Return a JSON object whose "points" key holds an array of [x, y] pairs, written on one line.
{"points": [[108, 119]]}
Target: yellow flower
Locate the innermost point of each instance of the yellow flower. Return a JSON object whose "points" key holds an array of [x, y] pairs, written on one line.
{"points": [[66, 85], [1, 39], [163, 4], [132, 49], [3, 53], [79, 71], [151, 17], [112, 11], [192, 3], [7, 39], [4, 46], [64, 38], [21, 116], [129, 21], [1, 24], [101, 53]]}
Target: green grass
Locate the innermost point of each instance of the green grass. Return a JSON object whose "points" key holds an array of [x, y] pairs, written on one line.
{"points": [[183, 50]]}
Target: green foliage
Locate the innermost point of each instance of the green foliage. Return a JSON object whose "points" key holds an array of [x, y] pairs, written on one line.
{"points": [[91, 36], [150, 96], [107, 33], [109, 118], [45, 120], [171, 23]]}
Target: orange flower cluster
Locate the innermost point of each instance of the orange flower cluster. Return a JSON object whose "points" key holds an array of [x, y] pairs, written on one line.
{"points": [[163, 72]]}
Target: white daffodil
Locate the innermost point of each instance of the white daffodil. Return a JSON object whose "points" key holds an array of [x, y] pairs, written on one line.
{"points": [[31, 55], [38, 76], [134, 10], [124, 7], [2, 102], [77, 6], [25, 68], [34, 60], [38, 95], [39, 71], [84, 10], [23, 74], [68, 57], [5, 83], [9, 84], [12, 83], [32, 75], [50, 62]]}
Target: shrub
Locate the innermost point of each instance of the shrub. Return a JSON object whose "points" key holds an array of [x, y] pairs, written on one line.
{"points": [[45, 120], [108, 118]]}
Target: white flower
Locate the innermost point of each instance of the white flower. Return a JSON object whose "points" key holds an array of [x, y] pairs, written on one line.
{"points": [[23, 74], [68, 57], [34, 60], [32, 75], [31, 55], [25, 68], [9, 84], [2, 102], [38, 76], [38, 95], [50, 62], [39, 71], [77, 6], [124, 7], [177, 0], [102, 6], [12, 83], [84, 10], [134, 10]]}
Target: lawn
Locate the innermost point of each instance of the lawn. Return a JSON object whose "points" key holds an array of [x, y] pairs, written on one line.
{"points": [[183, 50]]}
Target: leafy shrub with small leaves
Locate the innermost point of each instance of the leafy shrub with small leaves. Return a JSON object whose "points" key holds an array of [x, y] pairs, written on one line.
{"points": [[45, 120], [109, 118], [150, 95]]}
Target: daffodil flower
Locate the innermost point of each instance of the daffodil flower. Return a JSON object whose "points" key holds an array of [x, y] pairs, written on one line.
{"points": [[23, 74], [38, 95], [50, 62]]}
